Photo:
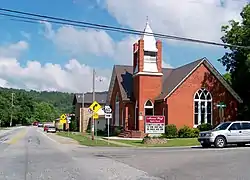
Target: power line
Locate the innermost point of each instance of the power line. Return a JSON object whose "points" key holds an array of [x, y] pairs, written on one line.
{"points": [[29, 18]]}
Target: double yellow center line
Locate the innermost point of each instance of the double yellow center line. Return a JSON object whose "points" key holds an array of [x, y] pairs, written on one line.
{"points": [[18, 136]]}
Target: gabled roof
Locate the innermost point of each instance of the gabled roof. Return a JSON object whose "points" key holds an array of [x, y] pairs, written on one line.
{"points": [[100, 97], [172, 79]]}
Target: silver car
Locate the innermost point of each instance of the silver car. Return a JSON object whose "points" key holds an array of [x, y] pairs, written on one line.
{"points": [[51, 129], [237, 132]]}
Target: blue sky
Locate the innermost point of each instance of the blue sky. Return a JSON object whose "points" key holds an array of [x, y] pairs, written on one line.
{"points": [[57, 49]]}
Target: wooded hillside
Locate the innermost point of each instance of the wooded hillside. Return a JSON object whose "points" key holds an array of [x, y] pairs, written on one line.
{"points": [[29, 106]]}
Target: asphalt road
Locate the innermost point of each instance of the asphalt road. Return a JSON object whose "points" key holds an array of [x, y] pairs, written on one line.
{"points": [[28, 154]]}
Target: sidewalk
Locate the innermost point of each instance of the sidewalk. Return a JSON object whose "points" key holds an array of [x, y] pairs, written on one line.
{"points": [[114, 142]]}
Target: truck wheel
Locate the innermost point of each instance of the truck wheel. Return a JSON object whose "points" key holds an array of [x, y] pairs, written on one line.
{"points": [[220, 142]]}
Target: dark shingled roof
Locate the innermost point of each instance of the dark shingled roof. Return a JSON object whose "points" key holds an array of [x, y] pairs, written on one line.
{"points": [[100, 97], [172, 78]]}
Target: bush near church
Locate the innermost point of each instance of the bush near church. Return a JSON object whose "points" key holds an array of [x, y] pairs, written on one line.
{"points": [[171, 131], [205, 127]]}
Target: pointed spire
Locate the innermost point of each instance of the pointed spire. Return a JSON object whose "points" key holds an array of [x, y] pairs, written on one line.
{"points": [[149, 39]]}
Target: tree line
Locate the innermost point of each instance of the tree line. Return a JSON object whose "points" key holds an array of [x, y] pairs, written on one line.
{"points": [[30, 106]]}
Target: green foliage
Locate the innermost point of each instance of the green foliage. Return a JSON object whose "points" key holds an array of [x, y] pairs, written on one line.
{"points": [[228, 78], [205, 127], [171, 131], [187, 132], [237, 60], [29, 106]]}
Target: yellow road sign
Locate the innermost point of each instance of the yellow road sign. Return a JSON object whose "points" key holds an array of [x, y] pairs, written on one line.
{"points": [[63, 117], [95, 116], [63, 121], [95, 106]]}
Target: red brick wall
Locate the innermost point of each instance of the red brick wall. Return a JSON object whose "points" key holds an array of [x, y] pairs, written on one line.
{"points": [[181, 104], [112, 101], [149, 89]]}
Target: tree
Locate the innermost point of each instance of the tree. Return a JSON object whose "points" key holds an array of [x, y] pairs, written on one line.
{"points": [[228, 78], [32, 105], [237, 60], [45, 112]]}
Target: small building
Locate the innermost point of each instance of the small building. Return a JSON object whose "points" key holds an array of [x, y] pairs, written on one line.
{"points": [[82, 115], [186, 95]]}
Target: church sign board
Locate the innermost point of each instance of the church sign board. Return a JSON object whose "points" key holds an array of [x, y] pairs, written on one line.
{"points": [[154, 124]]}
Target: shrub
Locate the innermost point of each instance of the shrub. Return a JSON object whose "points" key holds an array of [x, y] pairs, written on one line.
{"points": [[205, 127], [171, 131], [117, 131], [194, 132], [186, 132]]}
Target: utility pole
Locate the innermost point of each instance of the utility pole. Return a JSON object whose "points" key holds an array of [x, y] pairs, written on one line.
{"points": [[93, 120], [12, 104], [82, 115]]}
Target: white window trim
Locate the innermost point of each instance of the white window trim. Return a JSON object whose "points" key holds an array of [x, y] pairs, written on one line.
{"points": [[199, 107], [148, 107]]}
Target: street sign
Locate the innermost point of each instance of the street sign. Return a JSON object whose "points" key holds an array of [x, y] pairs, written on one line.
{"points": [[107, 109], [95, 106], [63, 117], [95, 116], [68, 119], [108, 115], [154, 124]]}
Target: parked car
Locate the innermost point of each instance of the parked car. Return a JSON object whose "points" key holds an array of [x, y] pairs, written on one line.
{"points": [[237, 132], [35, 123], [40, 125], [45, 128], [51, 129]]}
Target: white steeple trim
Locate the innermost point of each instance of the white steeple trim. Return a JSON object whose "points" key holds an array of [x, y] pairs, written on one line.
{"points": [[149, 39]]}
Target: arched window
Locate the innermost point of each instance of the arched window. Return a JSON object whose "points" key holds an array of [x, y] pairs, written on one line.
{"points": [[202, 107], [149, 108]]}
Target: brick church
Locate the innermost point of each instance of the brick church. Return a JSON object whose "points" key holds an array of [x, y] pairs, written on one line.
{"points": [[186, 95]]}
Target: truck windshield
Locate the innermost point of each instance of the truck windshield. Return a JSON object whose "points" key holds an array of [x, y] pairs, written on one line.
{"points": [[222, 126]]}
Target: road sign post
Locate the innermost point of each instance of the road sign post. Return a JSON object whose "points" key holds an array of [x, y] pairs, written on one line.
{"points": [[108, 116], [94, 107]]}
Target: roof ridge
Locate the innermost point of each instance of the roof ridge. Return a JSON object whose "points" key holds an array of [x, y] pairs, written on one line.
{"points": [[201, 59]]}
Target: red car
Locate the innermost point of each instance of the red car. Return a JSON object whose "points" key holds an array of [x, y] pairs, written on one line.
{"points": [[45, 128], [35, 123]]}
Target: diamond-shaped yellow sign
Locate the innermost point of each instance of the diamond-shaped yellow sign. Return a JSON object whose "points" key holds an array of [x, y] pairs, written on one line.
{"points": [[95, 116], [63, 117], [95, 106]]}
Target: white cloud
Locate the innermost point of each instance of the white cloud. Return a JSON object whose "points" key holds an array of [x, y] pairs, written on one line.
{"points": [[200, 19], [79, 42], [70, 77], [13, 50]]}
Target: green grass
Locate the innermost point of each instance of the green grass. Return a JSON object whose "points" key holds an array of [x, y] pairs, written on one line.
{"points": [[86, 140], [171, 142]]}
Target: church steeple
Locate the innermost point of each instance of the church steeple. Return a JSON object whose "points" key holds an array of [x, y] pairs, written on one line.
{"points": [[147, 57], [149, 39]]}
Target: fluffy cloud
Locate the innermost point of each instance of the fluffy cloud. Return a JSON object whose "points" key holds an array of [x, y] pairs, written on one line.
{"points": [[13, 50], [200, 19], [71, 77], [79, 42]]}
